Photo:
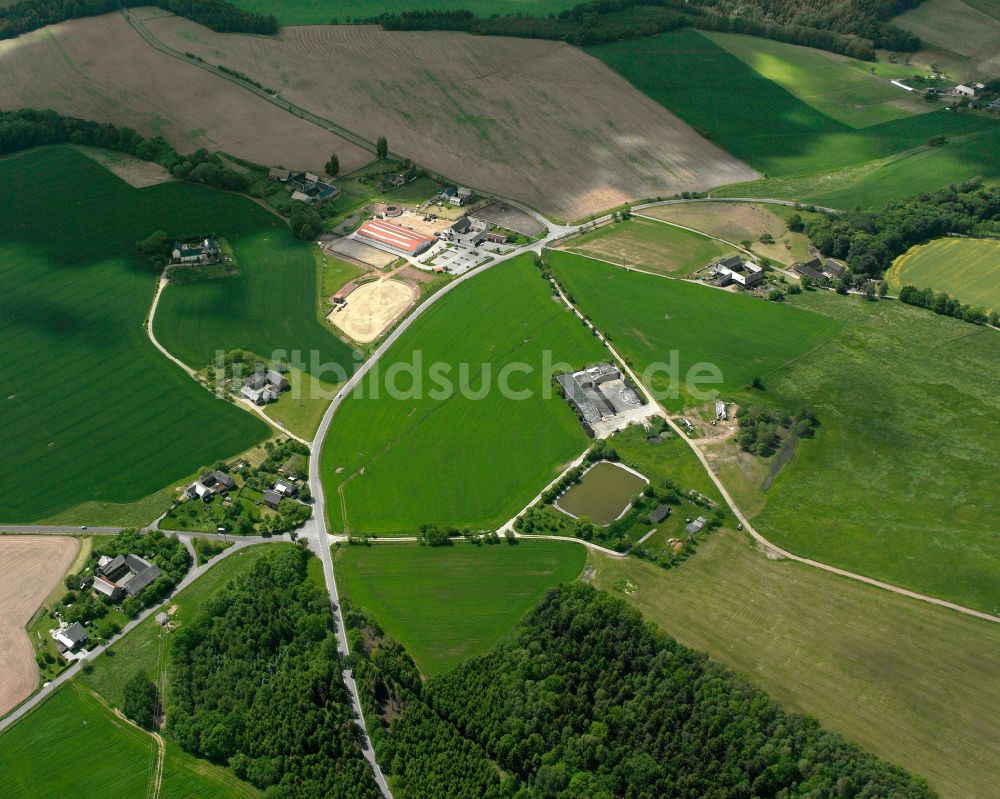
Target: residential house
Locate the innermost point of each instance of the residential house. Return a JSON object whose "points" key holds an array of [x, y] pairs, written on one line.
{"points": [[272, 499], [69, 638], [224, 479], [285, 488], [833, 270], [201, 252], [277, 380]]}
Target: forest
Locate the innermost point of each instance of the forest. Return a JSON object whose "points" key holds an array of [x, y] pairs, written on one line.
{"points": [[29, 15], [586, 700], [870, 241], [255, 684], [851, 27]]}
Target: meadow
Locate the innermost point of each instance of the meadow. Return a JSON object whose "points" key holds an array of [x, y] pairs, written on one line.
{"points": [[906, 680], [73, 744], [92, 410], [894, 485], [321, 12], [959, 36], [738, 222], [448, 604], [778, 133], [514, 117], [651, 246], [651, 319], [965, 268], [469, 456]]}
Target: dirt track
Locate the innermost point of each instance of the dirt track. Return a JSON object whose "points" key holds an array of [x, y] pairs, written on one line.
{"points": [[100, 68], [30, 567], [538, 121]]}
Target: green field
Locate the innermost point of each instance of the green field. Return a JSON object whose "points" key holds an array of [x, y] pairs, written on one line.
{"points": [[650, 245], [856, 93], [447, 604], [470, 457], [897, 474], [650, 317], [781, 135], [965, 268], [321, 12], [91, 410], [73, 745], [906, 680]]}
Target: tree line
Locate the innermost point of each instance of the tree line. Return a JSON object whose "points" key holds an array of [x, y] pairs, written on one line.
{"points": [[255, 684], [869, 241], [29, 15], [942, 303], [851, 27], [26, 127]]}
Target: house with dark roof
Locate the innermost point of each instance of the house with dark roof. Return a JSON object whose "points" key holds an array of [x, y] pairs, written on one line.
{"points": [[277, 380], [69, 638], [833, 270], [308, 188], [224, 479], [203, 252], [128, 573], [659, 513], [811, 269], [272, 499]]}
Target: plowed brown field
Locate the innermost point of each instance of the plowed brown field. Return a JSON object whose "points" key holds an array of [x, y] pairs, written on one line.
{"points": [[30, 567], [101, 69], [538, 121]]}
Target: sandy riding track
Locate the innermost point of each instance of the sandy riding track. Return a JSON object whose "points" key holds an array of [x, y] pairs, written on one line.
{"points": [[372, 307], [30, 567], [101, 68], [538, 121]]}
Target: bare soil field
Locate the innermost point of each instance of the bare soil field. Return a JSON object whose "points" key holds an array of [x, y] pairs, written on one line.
{"points": [[134, 171], [507, 216], [101, 69], [735, 222], [30, 567], [360, 252], [533, 120], [371, 308]]}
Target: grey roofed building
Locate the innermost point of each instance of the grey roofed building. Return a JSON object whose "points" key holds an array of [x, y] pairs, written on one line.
{"points": [[224, 478], [731, 262], [162, 619], [696, 525], [143, 573], [112, 566], [208, 479], [73, 635], [276, 379], [463, 225], [657, 515], [272, 498], [256, 381], [833, 269], [811, 269], [107, 588], [285, 488]]}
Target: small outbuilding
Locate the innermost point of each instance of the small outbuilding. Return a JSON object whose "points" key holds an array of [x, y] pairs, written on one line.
{"points": [[660, 513], [696, 526]]}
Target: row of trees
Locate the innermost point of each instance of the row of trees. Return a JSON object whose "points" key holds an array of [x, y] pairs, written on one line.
{"points": [[255, 684], [941, 303], [853, 27], [869, 240], [218, 15]]}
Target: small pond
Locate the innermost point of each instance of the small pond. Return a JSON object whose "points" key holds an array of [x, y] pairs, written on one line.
{"points": [[603, 493]]}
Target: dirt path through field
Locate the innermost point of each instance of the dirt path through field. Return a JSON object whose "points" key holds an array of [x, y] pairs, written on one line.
{"points": [[30, 568]]}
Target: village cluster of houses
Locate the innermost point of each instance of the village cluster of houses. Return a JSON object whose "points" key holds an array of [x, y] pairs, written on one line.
{"points": [[264, 387], [819, 270], [455, 195], [196, 252], [124, 574]]}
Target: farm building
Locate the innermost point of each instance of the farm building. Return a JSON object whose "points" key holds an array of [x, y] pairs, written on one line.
{"points": [[833, 270], [811, 269], [599, 392], [278, 174], [401, 178], [129, 573], [394, 237], [720, 410], [107, 588], [195, 252], [969, 89], [735, 270], [263, 387], [308, 188]]}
